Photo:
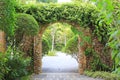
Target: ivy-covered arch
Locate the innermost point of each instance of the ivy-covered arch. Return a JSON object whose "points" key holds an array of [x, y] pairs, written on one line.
{"points": [[79, 15]]}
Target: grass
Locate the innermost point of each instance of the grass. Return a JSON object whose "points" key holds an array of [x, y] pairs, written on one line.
{"points": [[102, 75], [51, 53], [26, 78]]}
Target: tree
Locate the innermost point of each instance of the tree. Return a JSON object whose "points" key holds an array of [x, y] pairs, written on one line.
{"points": [[72, 47], [57, 35], [45, 47]]}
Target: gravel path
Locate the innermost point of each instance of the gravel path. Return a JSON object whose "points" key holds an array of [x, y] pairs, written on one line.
{"points": [[62, 76]]}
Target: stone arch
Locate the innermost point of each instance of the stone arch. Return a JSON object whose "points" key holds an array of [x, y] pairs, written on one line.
{"points": [[38, 47], [79, 15]]}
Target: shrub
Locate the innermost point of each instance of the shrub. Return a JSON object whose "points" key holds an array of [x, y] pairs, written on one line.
{"points": [[14, 65], [26, 24], [3, 66], [103, 75], [7, 16]]}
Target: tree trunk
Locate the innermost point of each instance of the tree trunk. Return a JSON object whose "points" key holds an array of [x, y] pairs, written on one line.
{"points": [[53, 40], [53, 37], [2, 41], [65, 39]]}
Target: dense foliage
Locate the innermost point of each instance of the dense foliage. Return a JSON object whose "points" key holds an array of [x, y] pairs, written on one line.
{"points": [[13, 65], [86, 15], [102, 75], [26, 24], [112, 10], [57, 35], [72, 45], [114, 40], [45, 46], [7, 16]]}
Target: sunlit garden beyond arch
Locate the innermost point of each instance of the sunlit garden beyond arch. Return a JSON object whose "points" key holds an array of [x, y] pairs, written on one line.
{"points": [[88, 30]]}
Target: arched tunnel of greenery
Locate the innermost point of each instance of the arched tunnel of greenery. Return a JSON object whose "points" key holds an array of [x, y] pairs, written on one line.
{"points": [[95, 26]]}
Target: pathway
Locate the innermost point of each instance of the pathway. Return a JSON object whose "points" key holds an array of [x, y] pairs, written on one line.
{"points": [[61, 63], [62, 76], [60, 67]]}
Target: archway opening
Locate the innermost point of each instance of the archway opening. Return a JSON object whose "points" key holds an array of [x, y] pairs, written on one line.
{"points": [[59, 53], [82, 37]]}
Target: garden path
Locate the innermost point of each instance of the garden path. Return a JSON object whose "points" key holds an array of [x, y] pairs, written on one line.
{"points": [[60, 67]]}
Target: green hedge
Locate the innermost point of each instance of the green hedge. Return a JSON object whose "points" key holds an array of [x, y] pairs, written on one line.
{"points": [[26, 24], [7, 16], [84, 14]]}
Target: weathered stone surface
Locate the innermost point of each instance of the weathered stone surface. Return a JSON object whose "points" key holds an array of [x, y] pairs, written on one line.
{"points": [[26, 44], [37, 54], [2, 41], [82, 58]]}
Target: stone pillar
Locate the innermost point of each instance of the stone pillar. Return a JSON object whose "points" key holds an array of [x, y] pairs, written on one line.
{"points": [[2, 41], [37, 54], [81, 56]]}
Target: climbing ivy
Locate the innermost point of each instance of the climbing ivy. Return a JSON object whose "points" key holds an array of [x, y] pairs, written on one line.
{"points": [[84, 14], [7, 16]]}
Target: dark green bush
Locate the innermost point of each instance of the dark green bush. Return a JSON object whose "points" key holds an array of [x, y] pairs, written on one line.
{"points": [[26, 24], [7, 16], [13, 65], [3, 67]]}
